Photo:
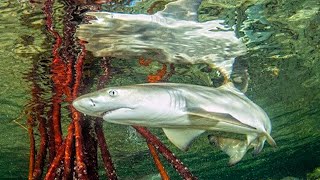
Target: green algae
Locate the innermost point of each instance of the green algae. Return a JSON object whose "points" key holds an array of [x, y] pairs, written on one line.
{"points": [[314, 175]]}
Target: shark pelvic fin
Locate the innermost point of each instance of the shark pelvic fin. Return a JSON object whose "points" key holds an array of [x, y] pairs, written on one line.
{"points": [[234, 148], [182, 138]]}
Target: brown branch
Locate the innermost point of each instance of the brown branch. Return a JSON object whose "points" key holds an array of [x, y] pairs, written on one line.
{"points": [[32, 147], [106, 157], [162, 171], [68, 152], [57, 69], [43, 146], [171, 72], [172, 159], [81, 167], [152, 78], [56, 119], [144, 62], [68, 43], [51, 143], [105, 64], [55, 163]]}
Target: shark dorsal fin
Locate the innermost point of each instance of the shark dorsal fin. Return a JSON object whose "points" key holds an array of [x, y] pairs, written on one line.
{"points": [[182, 138]]}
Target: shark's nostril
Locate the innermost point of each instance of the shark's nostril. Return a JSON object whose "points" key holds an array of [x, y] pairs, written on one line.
{"points": [[92, 102]]}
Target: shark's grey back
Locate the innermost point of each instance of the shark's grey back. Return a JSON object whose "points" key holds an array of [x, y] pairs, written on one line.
{"points": [[225, 99]]}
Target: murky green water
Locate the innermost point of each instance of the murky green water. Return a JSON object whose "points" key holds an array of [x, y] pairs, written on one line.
{"points": [[283, 41]]}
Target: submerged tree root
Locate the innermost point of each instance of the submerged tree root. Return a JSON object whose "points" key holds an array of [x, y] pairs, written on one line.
{"points": [[71, 157], [171, 158], [162, 171]]}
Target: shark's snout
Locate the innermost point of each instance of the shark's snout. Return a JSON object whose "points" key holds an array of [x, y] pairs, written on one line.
{"points": [[83, 105], [90, 106], [77, 105]]}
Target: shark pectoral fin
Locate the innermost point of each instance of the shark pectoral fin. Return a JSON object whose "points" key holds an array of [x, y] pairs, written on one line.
{"points": [[201, 114], [234, 148], [211, 118], [182, 138]]}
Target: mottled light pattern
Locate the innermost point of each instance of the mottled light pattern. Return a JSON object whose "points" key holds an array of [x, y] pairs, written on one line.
{"points": [[169, 36]]}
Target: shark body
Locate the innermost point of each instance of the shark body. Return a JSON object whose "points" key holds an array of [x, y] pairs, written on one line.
{"points": [[184, 112]]}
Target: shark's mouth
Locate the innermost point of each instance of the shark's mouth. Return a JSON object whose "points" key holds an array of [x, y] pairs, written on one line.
{"points": [[114, 110], [108, 112]]}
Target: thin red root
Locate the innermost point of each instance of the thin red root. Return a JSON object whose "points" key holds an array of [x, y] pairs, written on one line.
{"points": [[81, 167], [106, 157], [43, 147], [55, 163], [160, 74], [173, 160], [68, 151], [162, 171], [32, 148], [144, 62]]}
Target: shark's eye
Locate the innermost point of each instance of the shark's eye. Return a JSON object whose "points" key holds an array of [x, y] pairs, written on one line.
{"points": [[113, 93]]}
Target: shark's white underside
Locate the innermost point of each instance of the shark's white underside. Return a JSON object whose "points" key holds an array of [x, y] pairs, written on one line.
{"points": [[184, 112]]}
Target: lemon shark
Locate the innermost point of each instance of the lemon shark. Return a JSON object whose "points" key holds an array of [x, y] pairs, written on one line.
{"points": [[172, 35], [184, 112]]}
